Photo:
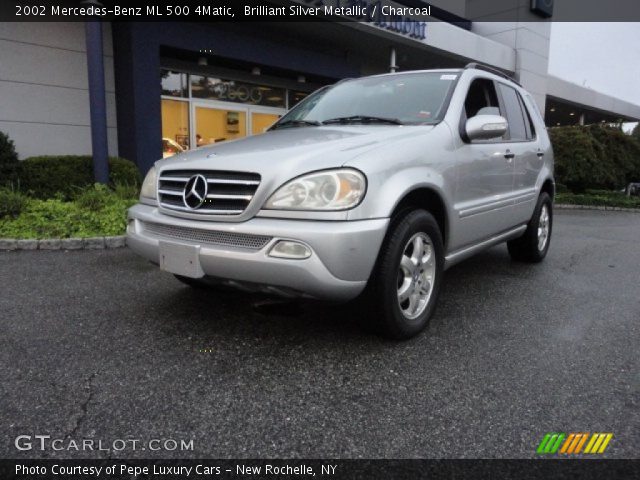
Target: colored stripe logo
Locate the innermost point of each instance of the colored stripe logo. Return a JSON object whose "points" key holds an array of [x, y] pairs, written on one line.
{"points": [[573, 443]]}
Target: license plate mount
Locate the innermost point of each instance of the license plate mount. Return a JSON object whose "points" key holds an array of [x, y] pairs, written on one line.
{"points": [[180, 259]]}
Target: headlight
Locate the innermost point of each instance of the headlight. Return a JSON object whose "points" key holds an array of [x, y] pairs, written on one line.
{"points": [[149, 185], [328, 190]]}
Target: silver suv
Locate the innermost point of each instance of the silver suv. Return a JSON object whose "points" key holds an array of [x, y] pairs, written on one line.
{"points": [[367, 189]]}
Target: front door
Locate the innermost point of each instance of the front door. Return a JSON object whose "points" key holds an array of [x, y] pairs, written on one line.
{"points": [[484, 190]]}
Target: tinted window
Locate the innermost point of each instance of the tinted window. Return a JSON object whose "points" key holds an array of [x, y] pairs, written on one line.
{"points": [[531, 131], [517, 129], [174, 83], [237, 92]]}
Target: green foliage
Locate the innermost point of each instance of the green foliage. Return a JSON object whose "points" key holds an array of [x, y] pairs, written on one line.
{"points": [[577, 159], [126, 191], [62, 176], [97, 211], [594, 157], [635, 133], [8, 161], [11, 203], [95, 197], [621, 151], [602, 198]]}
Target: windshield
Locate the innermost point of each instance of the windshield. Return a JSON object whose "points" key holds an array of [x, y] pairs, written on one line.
{"points": [[407, 99]]}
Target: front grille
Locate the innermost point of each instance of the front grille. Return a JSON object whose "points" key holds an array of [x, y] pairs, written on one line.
{"points": [[228, 193], [211, 237]]}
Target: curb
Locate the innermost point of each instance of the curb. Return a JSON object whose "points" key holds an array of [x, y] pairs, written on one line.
{"points": [[569, 206], [90, 243]]}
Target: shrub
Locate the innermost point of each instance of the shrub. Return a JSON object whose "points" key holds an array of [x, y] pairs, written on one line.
{"points": [[54, 218], [599, 198], [126, 191], [578, 156], [94, 197], [11, 202], [61, 176], [8, 161], [621, 150], [594, 157]]}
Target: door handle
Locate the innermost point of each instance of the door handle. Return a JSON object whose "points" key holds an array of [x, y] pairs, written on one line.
{"points": [[540, 154], [509, 155]]}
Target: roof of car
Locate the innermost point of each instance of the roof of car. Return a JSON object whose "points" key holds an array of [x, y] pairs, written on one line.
{"points": [[471, 66]]}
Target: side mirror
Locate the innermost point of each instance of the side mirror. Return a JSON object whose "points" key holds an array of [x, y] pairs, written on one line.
{"points": [[486, 127]]}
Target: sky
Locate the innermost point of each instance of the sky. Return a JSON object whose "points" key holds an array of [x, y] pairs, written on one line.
{"points": [[602, 56]]}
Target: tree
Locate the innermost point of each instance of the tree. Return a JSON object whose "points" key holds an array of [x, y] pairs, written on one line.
{"points": [[9, 163], [635, 133]]}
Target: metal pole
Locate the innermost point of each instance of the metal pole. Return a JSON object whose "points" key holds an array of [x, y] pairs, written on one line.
{"points": [[393, 67], [97, 102]]}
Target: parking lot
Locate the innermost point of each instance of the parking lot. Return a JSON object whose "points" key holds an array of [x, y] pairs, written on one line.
{"points": [[102, 345]]}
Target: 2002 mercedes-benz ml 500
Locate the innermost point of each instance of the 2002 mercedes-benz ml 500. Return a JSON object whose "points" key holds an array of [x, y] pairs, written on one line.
{"points": [[366, 189]]}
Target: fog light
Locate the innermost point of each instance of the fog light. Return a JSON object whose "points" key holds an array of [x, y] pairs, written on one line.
{"points": [[287, 249]]}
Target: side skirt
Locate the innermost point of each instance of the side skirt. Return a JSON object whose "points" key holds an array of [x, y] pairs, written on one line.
{"points": [[467, 252]]}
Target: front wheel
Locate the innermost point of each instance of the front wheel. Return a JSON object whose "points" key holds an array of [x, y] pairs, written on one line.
{"points": [[403, 290], [533, 245]]}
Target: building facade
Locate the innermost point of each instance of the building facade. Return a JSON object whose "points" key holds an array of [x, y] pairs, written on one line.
{"points": [[176, 86]]}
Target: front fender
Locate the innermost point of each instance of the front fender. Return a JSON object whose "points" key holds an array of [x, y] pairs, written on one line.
{"points": [[387, 195], [427, 160]]}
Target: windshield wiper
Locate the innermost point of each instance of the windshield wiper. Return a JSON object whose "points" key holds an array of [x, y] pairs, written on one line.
{"points": [[362, 119], [297, 123]]}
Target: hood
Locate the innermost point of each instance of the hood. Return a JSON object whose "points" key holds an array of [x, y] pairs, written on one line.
{"points": [[290, 150], [281, 155]]}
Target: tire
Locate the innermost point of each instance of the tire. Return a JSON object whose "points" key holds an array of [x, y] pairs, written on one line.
{"points": [[533, 245], [396, 296]]}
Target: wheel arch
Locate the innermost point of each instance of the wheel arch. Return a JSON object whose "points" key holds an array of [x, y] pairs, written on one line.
{"points": [[428, 199], [549, 187]]}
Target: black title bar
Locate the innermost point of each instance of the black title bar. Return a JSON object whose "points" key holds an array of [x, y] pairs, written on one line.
{"points": [[316, 10]]}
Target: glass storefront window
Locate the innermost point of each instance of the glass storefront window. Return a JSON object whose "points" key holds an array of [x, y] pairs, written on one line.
{"points": [[175, 127], [174, 84], [215, 122], [260, 122], [295, 97], [215, 125], [213, 88]]}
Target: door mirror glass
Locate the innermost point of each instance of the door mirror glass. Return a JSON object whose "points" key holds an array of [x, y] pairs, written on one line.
{"points": [[486, 127]]}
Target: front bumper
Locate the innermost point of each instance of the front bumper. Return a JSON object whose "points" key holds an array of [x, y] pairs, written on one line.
{"points": [[343, 252]]}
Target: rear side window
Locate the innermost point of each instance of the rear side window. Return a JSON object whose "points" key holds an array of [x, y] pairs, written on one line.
{"points": [[514, 113], [531, 131]]}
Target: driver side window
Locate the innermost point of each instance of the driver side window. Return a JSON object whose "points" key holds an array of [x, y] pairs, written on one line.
{"points": [[482, 99]]}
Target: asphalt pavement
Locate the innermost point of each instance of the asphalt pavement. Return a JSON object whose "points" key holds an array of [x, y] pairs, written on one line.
{"points": [[101, 345]]}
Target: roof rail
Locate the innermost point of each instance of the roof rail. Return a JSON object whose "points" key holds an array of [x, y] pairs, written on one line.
{"points": [[495, 71]]}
